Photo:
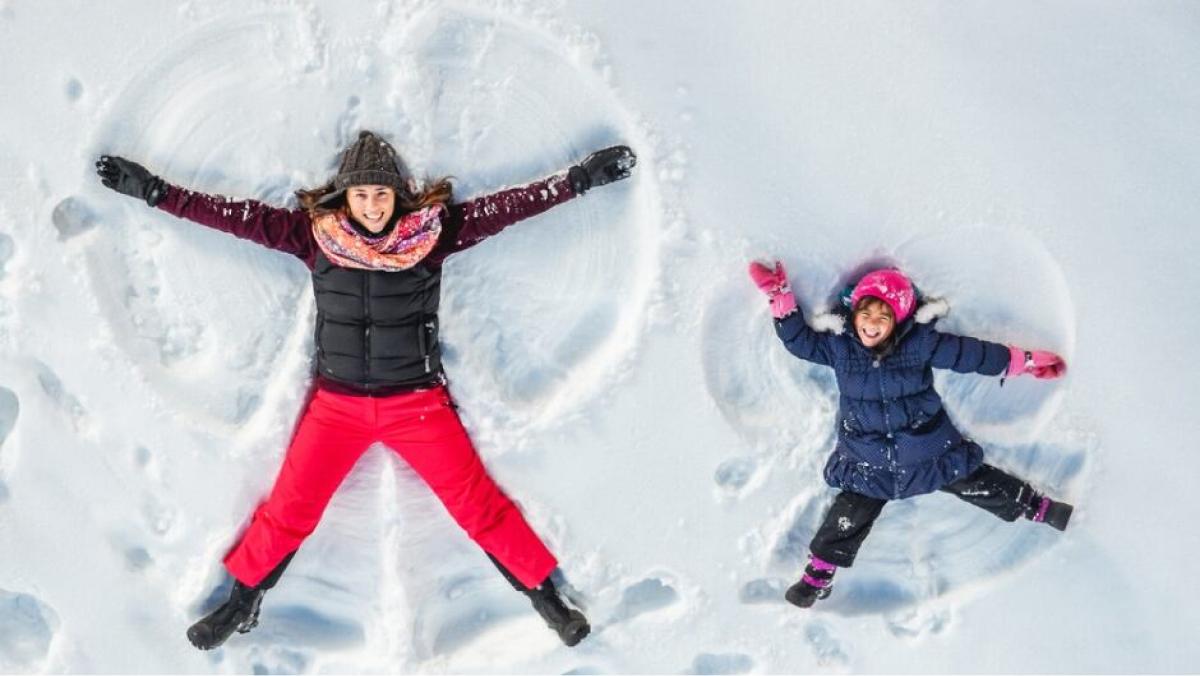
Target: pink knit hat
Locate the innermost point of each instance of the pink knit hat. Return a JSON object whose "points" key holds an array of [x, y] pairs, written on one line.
{"points": [[890, 286]]}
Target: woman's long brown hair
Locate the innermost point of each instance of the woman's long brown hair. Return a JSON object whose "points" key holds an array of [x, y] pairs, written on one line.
{"points": [[436, 192]]}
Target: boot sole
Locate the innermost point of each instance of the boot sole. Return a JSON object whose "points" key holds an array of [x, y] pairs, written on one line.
{"points": [[200, 639], [1059, 515], [576, 630], [795, 596], [575, 634]]}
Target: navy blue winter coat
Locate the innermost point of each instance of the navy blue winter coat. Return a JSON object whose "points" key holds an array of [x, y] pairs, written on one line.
{"points": [[894, 438]]}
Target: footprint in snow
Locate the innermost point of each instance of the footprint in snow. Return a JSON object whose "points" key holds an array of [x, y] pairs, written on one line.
{"points": [[824, 645], [721, 663], [734, 475], [67, 404], [71, 217], [764, 590], [646, 596], [27, 629], [348, 121], [73, 90]]}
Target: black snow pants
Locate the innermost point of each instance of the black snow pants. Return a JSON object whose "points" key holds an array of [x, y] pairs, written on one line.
{"points": [[851, 515]]}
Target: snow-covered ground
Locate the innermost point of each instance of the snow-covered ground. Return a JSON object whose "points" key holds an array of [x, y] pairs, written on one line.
{"points": [[1035, 164]]}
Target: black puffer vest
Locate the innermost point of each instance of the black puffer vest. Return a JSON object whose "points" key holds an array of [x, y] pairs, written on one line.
{"points": [[377, 332]]}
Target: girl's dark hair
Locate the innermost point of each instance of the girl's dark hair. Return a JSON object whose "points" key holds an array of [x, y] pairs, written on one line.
{"points": [[870, 300], [440, 191]]}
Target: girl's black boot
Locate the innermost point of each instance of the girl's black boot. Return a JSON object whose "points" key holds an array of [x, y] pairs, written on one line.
{"points": [[814, 585], [1050, 512]]}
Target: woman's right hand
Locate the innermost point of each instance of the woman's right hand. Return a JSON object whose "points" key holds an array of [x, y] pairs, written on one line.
{"points": [[130, 178]]}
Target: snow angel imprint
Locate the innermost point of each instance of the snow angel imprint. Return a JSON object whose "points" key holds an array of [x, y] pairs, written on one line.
{"points": [[375, 244], [894, 439]]}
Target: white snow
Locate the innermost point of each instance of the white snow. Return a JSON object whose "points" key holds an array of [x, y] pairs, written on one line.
{"points": [[1033, 164]]}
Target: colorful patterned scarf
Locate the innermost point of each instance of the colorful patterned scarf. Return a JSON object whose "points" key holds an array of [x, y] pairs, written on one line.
{"points": [[413, 237]]}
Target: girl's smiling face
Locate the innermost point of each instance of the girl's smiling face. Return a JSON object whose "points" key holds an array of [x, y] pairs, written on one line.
{"points": [[873, 321], [371, 205]]}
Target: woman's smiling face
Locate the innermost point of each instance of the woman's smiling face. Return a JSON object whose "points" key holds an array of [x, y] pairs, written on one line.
{"points": [[371, 205], [873, 321]]}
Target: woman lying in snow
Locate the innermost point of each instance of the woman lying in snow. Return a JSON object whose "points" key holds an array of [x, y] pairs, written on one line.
{"points": [[894, 438], [375, 245]]}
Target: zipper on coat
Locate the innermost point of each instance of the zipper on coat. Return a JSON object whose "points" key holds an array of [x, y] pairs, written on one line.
{"points": [[423, 343], [889, 436], [367, 331], [883, 401], [426, 340]]}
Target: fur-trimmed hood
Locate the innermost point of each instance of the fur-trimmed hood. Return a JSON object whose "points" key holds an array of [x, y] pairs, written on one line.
{"points": [[833, 320]]}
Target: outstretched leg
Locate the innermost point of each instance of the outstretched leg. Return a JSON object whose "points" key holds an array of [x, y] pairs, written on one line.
{"points": [[330, 438], [425, 430], [1008, 497], [845, 527], [328, 441]]}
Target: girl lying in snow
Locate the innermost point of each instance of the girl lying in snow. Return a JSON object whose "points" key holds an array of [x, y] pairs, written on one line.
{"points": [[894, 438], [375, 245]]}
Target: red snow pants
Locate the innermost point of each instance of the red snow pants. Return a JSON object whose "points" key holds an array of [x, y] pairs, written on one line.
{"points": [[424, 429]]}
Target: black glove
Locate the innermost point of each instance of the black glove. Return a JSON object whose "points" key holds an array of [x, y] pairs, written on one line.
{"points": [[130, 178], [601, 167]]}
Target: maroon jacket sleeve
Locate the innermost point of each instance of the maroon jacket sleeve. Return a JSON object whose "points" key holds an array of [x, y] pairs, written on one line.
{"points": [[469, 223], [286, 230]]}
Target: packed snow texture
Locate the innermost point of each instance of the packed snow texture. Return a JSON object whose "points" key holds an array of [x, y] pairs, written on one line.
{"points": [[1032, 165]]}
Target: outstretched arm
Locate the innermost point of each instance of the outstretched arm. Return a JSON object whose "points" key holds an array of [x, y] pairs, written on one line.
{"points": [[797, 336], [964, 354], [1038, 363], [971, 355], [469, 223], [286, 230]]}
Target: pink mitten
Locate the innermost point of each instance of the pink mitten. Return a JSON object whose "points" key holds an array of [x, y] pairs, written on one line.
{"points": [[1039, 363], [774, 283]]}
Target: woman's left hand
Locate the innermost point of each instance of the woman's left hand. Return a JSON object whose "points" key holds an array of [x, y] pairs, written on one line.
{"points": [[602, 167]]}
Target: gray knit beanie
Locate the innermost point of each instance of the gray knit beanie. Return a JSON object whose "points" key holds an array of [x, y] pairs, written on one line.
{"points": [[370, 160]]}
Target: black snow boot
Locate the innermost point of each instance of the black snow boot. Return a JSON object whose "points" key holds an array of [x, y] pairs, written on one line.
{"points": [[814, 585], [239, 613], [1052, 513], [570, 624]]}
